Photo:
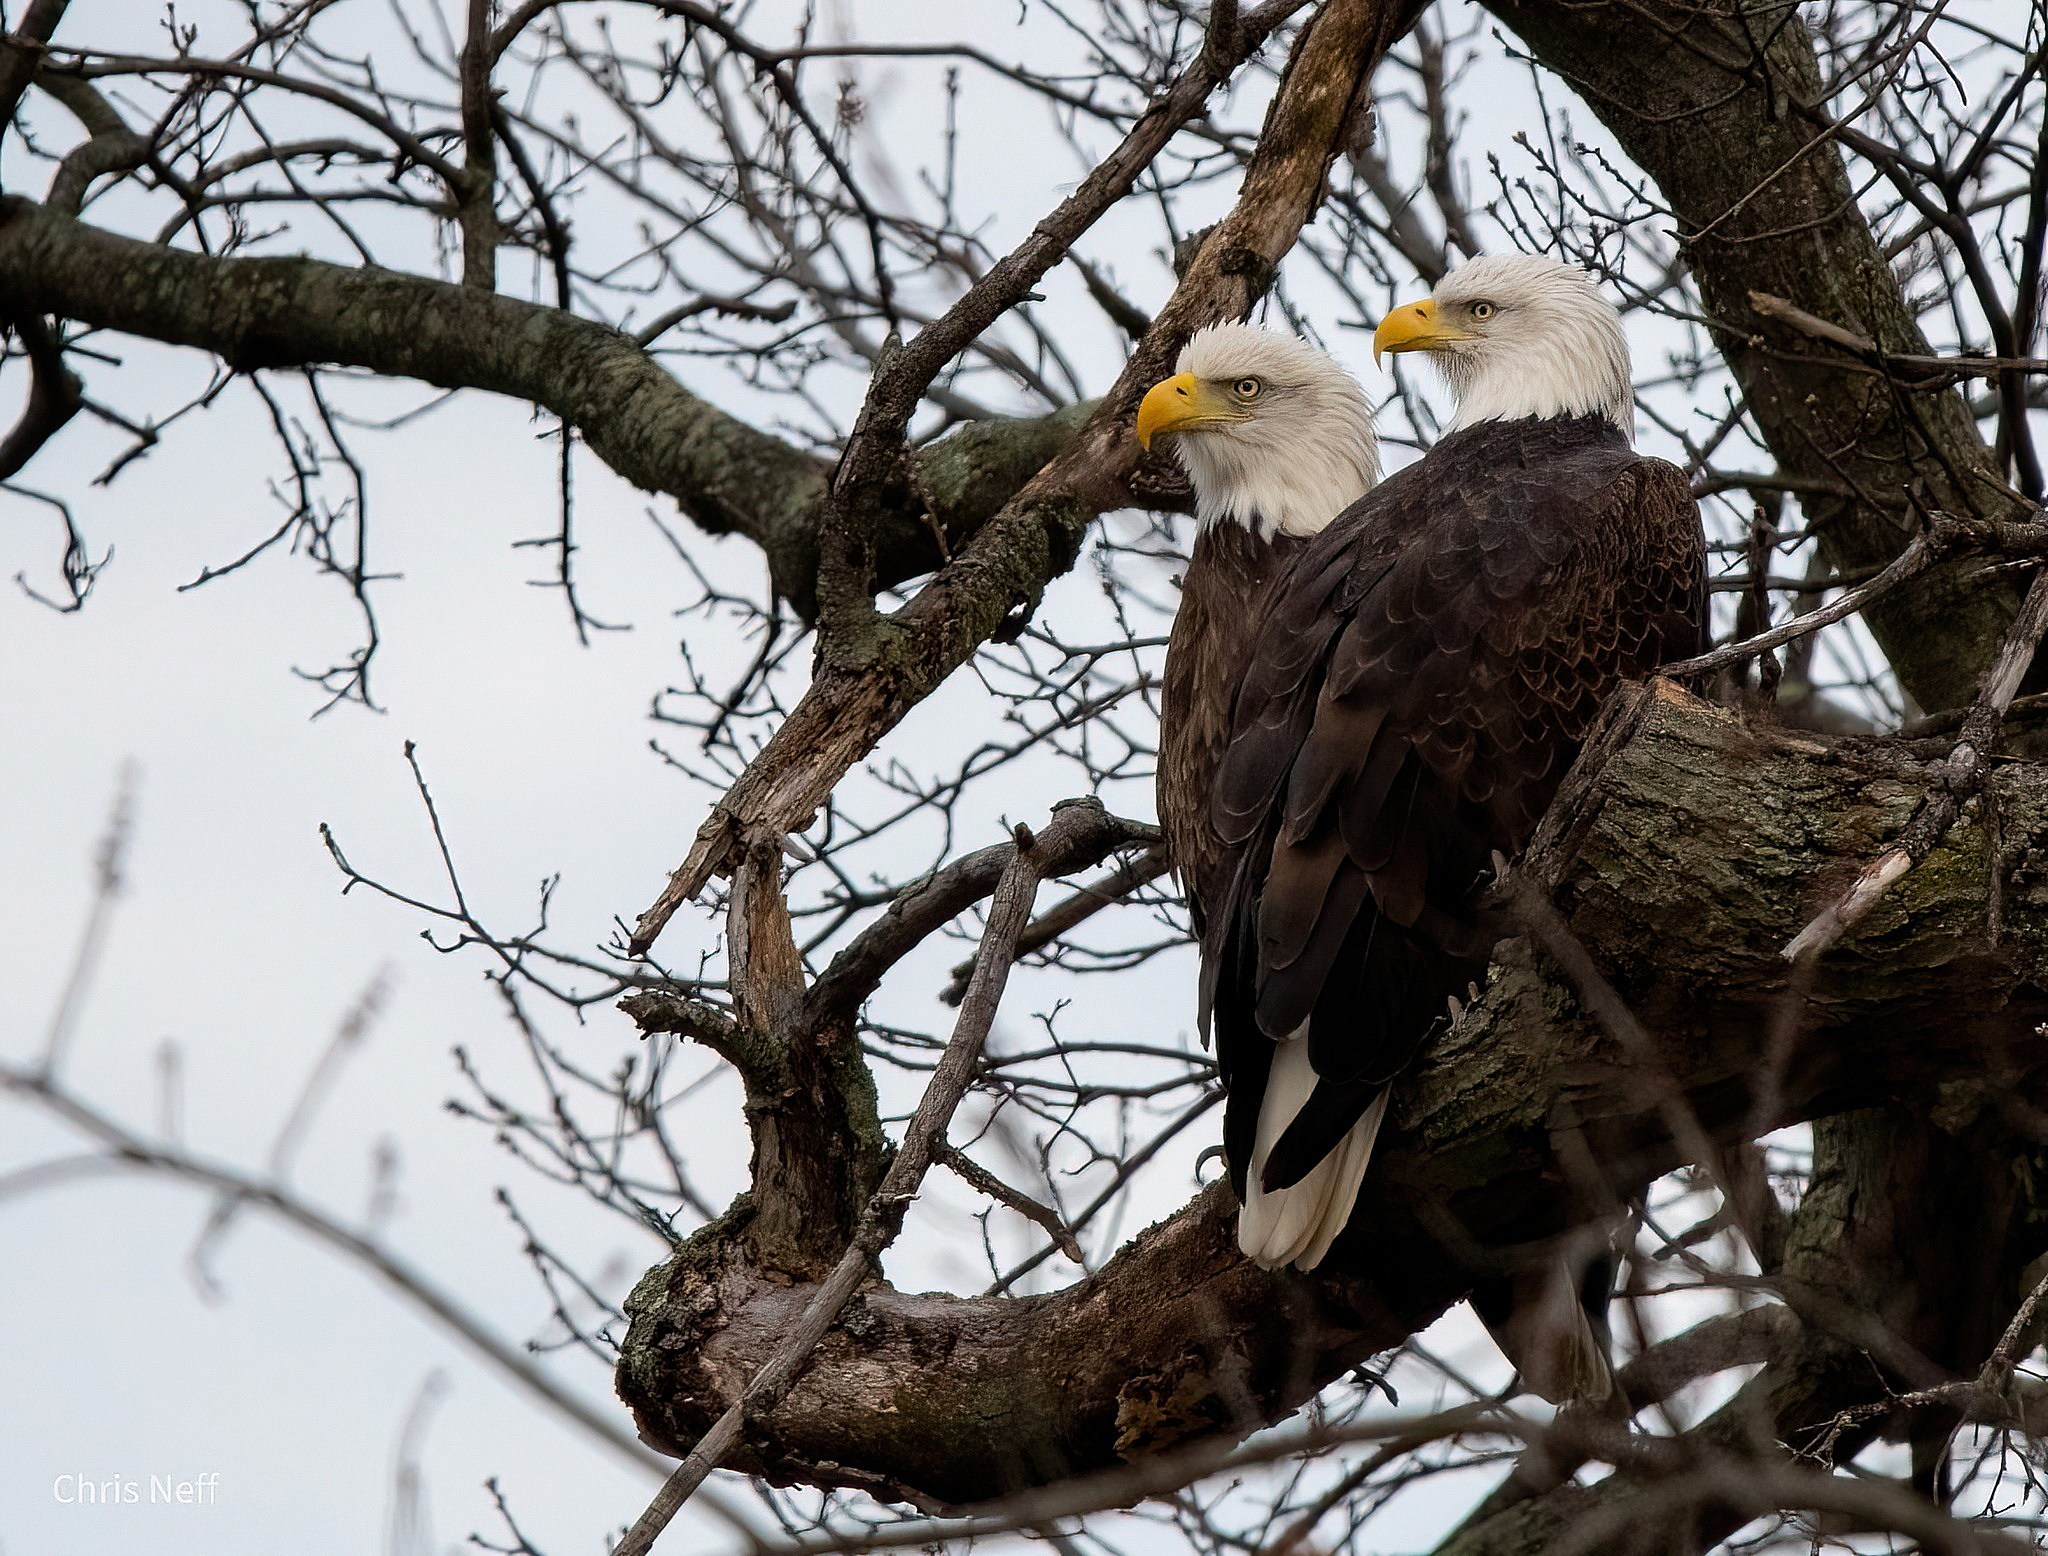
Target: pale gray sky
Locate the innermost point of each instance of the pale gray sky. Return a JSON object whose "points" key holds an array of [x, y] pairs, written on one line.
{"points": [[233, 942]]}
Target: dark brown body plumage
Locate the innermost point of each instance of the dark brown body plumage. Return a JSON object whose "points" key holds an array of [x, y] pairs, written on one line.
{"points": [[1406, 702], [1228, 573]]}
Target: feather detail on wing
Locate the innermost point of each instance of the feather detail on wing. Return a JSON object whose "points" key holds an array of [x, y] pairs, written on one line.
{"points": [[1419, 680], [1230, 569]]}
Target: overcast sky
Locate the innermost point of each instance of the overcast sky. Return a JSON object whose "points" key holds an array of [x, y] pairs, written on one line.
{"points": [[233, 947]]}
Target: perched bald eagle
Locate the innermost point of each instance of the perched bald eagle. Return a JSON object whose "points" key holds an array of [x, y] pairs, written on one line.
{"points": [[1404, 701], [1277, 441]]}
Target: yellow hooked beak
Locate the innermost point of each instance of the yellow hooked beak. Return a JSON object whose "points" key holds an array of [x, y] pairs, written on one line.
{"points": [[1414, 327], [1180, 403]]}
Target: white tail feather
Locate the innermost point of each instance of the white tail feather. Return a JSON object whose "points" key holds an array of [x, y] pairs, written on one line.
{"points": [[1297, 1224]]}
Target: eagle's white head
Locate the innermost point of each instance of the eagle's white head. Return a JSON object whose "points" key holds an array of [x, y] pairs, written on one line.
{"points": [[1520, 335], [1273, 434]]}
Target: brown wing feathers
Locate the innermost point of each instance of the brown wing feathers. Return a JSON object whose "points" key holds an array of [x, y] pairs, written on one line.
{"points": [[1420, 679], [1205, 661]]}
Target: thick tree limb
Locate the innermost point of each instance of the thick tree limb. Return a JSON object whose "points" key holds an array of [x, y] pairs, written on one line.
{"points": [[1686, 849], [728, 477], [818, 1146], [21, 51], [54, 393], [1076, 827]]}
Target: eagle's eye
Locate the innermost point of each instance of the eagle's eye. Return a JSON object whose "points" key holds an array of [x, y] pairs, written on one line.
{"points": [[1482, 311], [1247, 388]]}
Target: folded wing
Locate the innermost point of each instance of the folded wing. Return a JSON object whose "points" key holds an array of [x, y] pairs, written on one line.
{"points": [[1422, 676]]}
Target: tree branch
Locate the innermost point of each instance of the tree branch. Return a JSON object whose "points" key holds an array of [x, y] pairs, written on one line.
{"points": [[1682, 852], [883, 1217], [479, 154], [21, 51], [873, 677], [54, 393], [1959, 780], [728, 477]]}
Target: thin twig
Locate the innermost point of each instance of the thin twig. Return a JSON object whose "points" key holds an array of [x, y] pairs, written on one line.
{"points": [[979, 1178], [1163, 1474], [1919, 369], [108, 862], [1921, 553], [124, 1148], [1064, 916]]}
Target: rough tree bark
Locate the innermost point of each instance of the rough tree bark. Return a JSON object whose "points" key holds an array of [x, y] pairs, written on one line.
{"points": [[1685, 851]]}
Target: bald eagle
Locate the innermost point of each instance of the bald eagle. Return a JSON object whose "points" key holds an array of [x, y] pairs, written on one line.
{"points": [[1350, 738], [1277, 440]]}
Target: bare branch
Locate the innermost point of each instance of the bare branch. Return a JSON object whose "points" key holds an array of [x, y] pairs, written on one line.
{"points": [[1959, 779], [879, 1223], [864, 692]]}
